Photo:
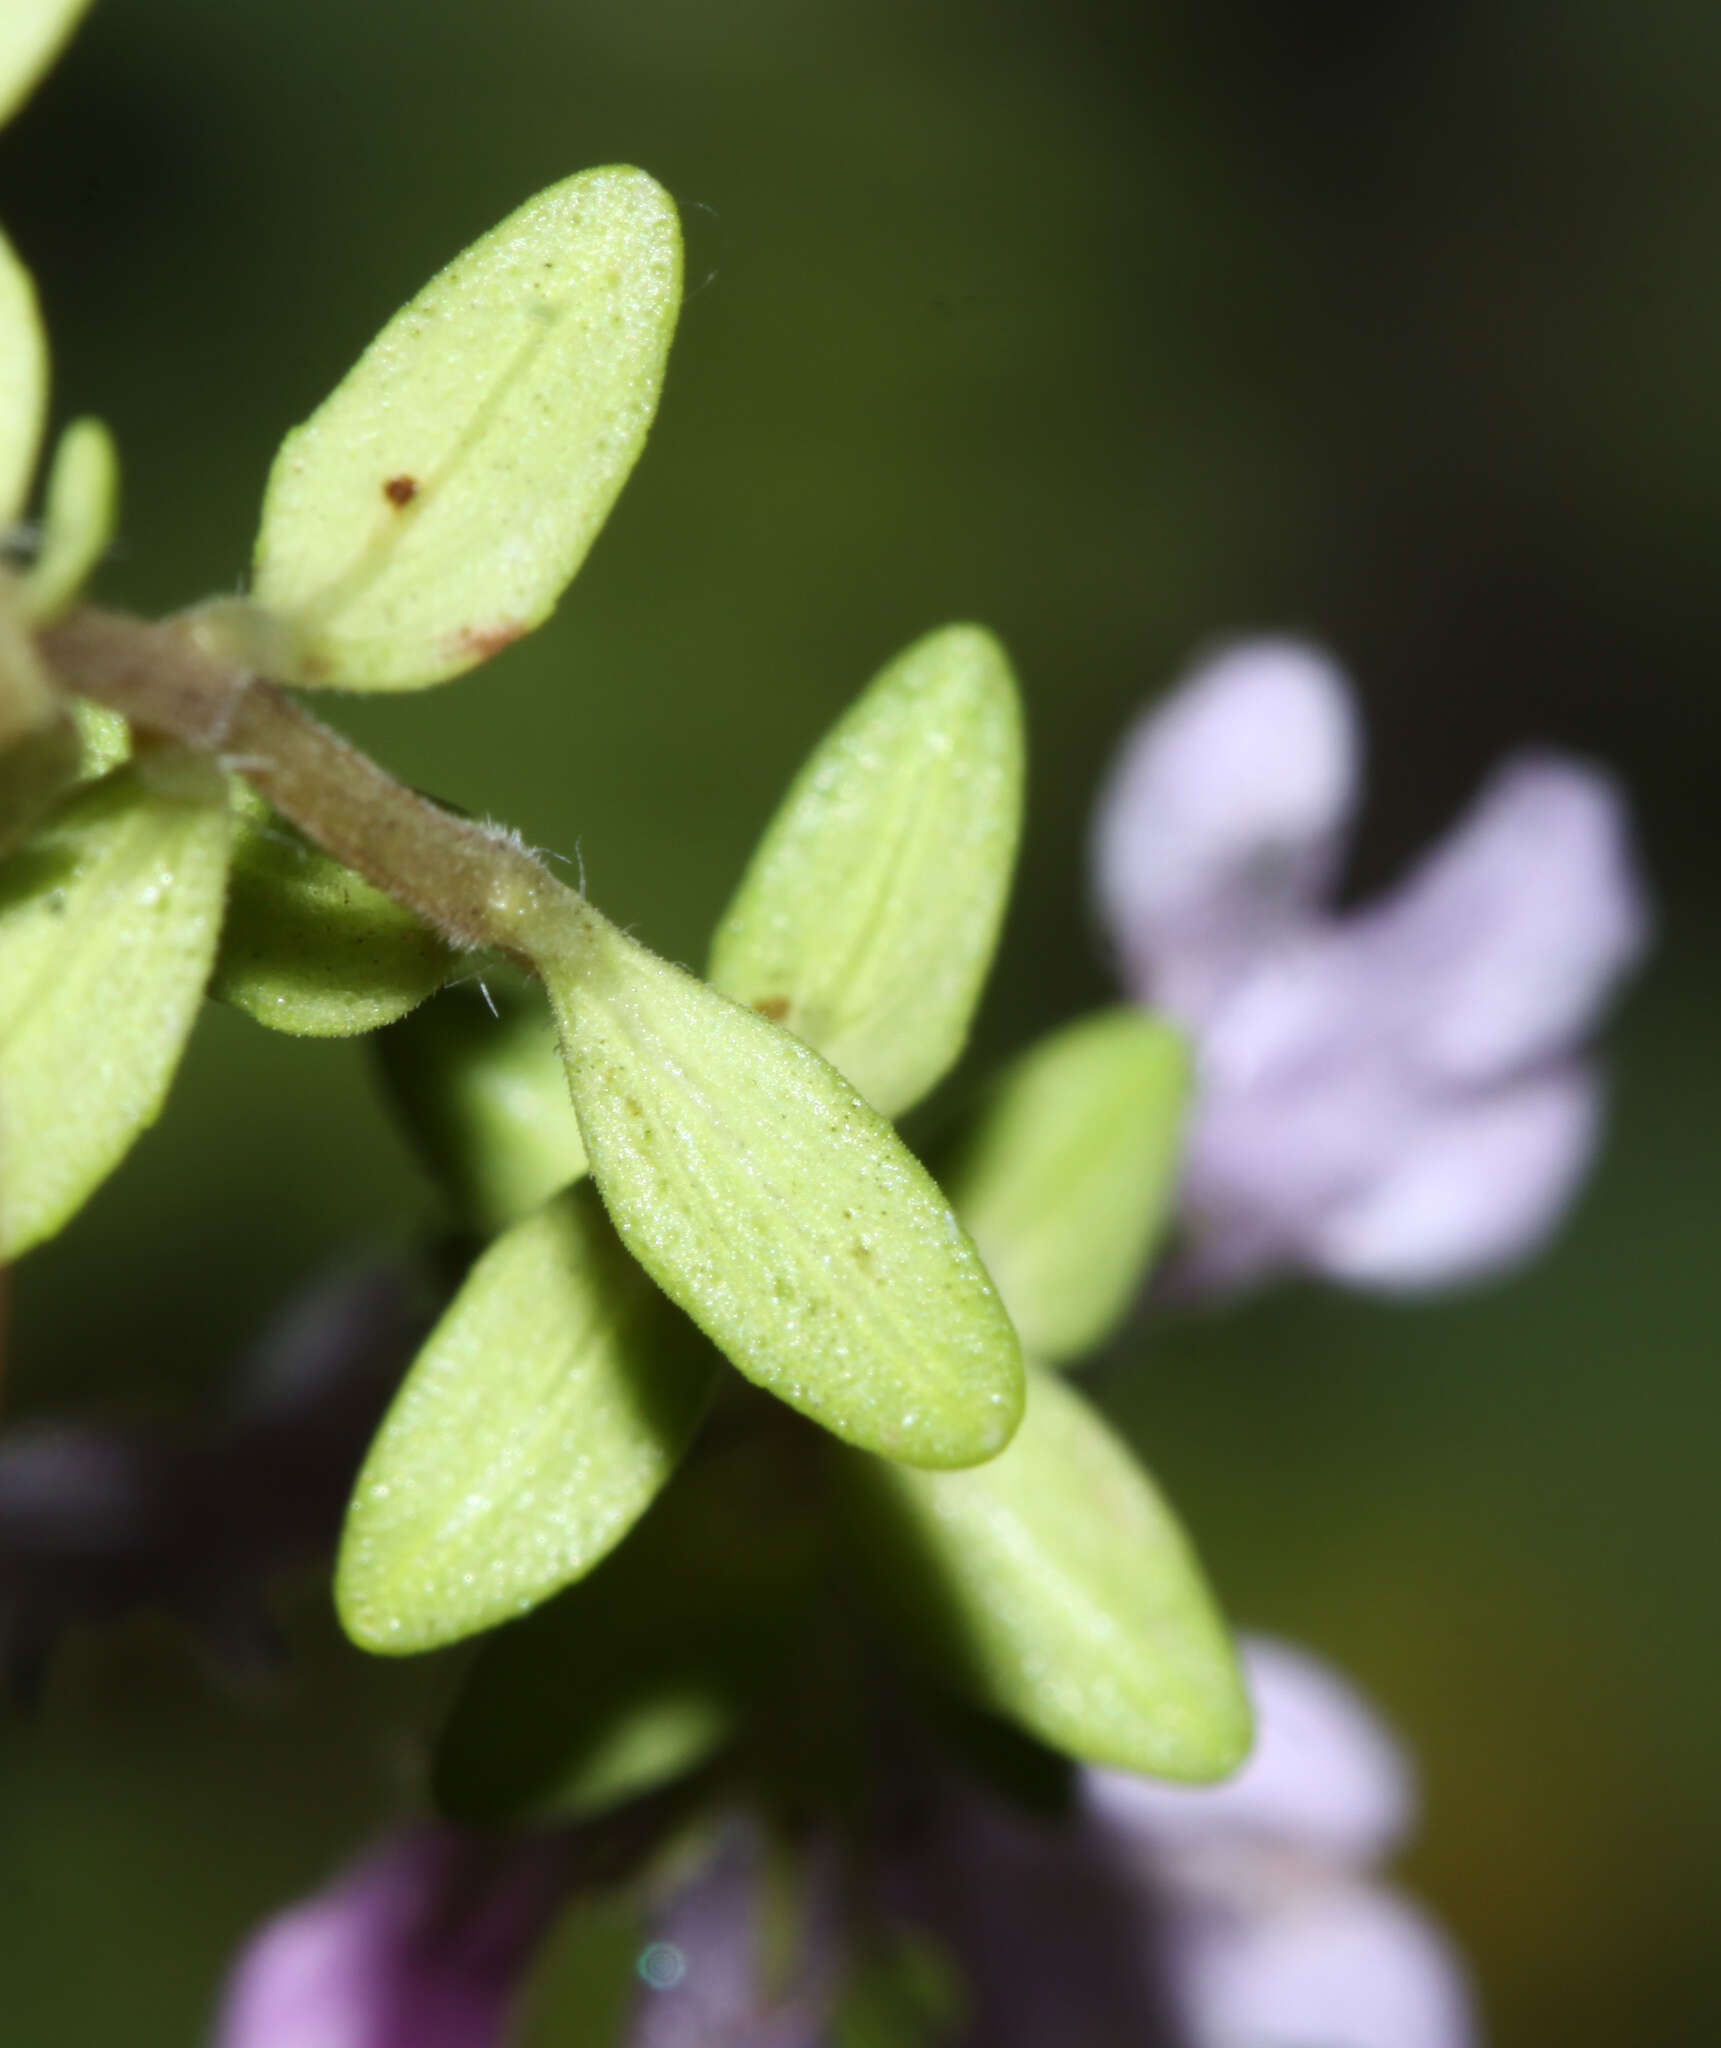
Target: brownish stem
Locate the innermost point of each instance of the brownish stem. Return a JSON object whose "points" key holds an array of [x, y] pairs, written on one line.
{"points": [[476, 883]]}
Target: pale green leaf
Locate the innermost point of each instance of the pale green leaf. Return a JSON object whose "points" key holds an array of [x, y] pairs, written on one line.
{"points": [[869, 915], [23, 377], [77, 519], [310, 947], [479, 1085], [104, 738], [437, 504], [643, 1670], [1055, 1587], [31, 32], [1066, 1179], [39, 744], [782, 1213], [547, 1408], [108, 922]]}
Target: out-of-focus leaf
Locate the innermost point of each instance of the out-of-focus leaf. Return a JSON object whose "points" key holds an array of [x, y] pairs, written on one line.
{"points": [[1054, 1586], [104, 739], [480, 1087], [23, 376], [1066, 1178], [548, 1407], [869, 915], [783, 1214], [437, 504], [309, 946], [38, 741], [77, 520], [108, 923], [31, 32], [642, 1671]]}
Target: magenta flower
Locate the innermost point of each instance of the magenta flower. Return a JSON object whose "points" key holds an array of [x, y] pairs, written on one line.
{"points": [[1396, 1096]]}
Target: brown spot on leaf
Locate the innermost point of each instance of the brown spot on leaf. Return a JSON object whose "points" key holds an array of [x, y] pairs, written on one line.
{"points": [[484, 641], [400, 491], [774, 1007]]}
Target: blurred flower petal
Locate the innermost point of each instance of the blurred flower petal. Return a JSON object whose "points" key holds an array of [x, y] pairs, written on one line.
{"points": [[1224, 818], [1502, 948], [1324, 1778], [97, 1520], [1392, 1097], [1480, 1188], [704, 1982], [421, 1945], [1343, 1967]]}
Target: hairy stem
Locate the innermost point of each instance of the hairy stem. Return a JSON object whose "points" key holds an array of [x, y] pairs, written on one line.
{"points": [[474, 882]]}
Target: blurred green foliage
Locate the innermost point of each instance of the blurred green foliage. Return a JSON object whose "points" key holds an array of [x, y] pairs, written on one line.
{"points": [[1116, 328]]}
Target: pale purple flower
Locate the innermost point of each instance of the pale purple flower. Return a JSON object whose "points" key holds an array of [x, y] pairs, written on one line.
{"points": [[1396, 1096], [422, 1944], [1274, 1929], [1248, 1915]]}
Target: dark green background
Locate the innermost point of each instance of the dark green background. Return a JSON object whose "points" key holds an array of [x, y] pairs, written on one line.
{"points": [[1117, 327]]}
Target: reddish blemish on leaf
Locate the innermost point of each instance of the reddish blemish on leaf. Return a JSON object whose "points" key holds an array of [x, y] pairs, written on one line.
{"points": [[774, 1007], [483, 641], [400, 491]]}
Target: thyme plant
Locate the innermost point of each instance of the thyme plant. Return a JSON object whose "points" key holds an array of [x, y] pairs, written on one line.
{"points": [[741, 1439]]}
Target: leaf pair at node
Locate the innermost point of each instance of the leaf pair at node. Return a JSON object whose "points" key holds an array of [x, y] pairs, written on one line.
{"points": [[744, 1173]]}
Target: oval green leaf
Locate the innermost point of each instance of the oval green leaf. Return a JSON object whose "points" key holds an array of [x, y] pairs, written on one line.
{"points": [[31, 32], [310, 947], [23, 379], [869, 915], [548, 1407], [478, 1083], [437, 504], [77, 520], [1066, 1178], [1055, 1587], [782, 1213], [642, 1671], [108, 923]]}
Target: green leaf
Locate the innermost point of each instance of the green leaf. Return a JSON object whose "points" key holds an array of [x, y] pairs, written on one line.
{"points": [[104, 739], [437, 504], [479, 1086], [869, 915], [783, 1214], [108, 922], [31, 32], [1066, 1178], [644, 1670], [23, 374], [78, 520], [39, 744], [547, 1408], [309, 946], [1055, 1587]]}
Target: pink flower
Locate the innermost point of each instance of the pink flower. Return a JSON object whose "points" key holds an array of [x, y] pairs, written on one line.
{"points": [[1395, 1096]]}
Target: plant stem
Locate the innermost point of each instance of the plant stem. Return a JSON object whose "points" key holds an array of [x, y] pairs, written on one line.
{"points": [[475, 882]]}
